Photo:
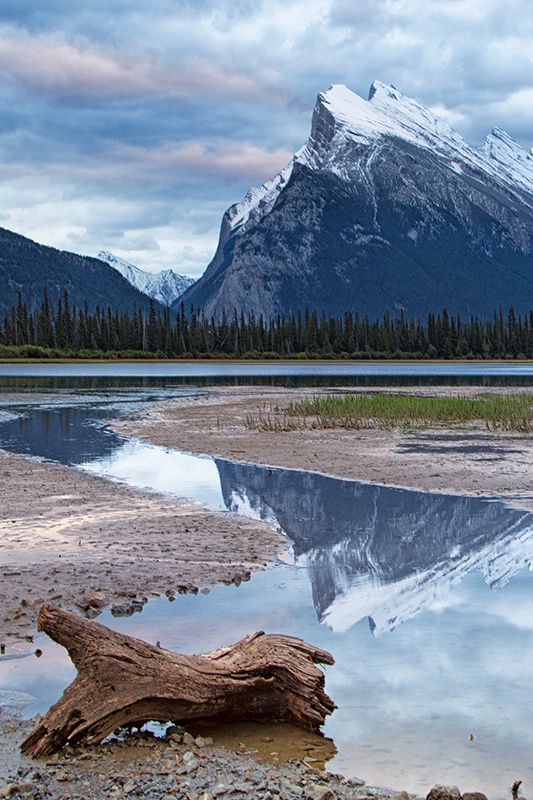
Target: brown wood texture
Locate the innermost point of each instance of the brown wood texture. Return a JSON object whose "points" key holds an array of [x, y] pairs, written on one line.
{"points": [[125, 681]]}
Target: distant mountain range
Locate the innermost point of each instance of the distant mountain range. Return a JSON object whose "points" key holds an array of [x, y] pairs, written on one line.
{"points": [[385, 208], [165, 286], [28, 268]]}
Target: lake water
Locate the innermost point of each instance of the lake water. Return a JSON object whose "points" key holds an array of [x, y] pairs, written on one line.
{"points": [[425, 601], [277, 372]]}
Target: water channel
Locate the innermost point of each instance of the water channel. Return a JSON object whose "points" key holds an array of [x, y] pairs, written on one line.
{"points": [[425, 600]]}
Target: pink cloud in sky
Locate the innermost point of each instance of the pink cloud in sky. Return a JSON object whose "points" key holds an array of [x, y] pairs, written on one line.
{"points": [[49, 63], [232, 160]]}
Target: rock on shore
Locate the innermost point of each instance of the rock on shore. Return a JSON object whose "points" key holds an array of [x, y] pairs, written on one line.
{"points": [[179, 767]]}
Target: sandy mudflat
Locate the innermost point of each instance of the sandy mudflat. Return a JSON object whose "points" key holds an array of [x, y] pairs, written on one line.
{"points": [[74, 538], [65, 535], [467, 460]]}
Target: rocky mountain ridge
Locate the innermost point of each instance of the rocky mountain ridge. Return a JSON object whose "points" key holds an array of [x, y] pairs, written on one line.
{"points": [[385, 208], [165, 286]]}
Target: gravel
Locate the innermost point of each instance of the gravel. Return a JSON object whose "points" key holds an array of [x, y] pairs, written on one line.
{"points": [[183, 767]]}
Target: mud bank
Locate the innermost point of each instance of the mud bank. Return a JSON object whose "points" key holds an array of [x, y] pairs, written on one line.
{"points": [[84, 542], [460, 460]]}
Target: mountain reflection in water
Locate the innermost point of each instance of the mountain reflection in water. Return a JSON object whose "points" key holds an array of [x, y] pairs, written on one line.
{"points": [[407, 702], [371, 551], [380, 552]]}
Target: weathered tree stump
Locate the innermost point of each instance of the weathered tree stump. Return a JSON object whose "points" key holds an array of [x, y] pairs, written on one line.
{"points": [[125, 681]]}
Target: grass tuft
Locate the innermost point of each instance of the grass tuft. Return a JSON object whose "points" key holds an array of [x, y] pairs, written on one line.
{"points": [[498, 412]]}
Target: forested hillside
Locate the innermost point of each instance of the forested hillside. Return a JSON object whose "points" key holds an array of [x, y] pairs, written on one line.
{"points": [[27, 268], [67, 331]]}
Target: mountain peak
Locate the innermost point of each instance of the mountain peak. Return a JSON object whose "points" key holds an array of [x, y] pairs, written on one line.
{"points": [[377, 87], [342, 117], [384, 207], [509, 157], [342, 114], [165, 286], [499, 138]]}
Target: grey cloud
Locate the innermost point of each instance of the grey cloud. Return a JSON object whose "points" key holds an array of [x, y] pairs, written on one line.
{"points": [[62, 68], [461, 55], [158, 116], [359, 14], [228, 160]]}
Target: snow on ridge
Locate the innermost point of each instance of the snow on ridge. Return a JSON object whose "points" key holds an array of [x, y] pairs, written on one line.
{"points": [[387, 113], [165, 286], [137, 277], [259, 199], [516, 162]]}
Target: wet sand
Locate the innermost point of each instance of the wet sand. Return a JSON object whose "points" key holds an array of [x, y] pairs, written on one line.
{"points": [[461, 460], [82, 542]]}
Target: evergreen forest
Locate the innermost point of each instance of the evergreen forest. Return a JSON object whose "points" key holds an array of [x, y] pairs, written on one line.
{"points": [[65, 331]]}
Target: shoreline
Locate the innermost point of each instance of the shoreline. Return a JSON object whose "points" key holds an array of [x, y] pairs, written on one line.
{"points": [[286, 360], [181, 766], [461, 460], [65, 554], [55, 544]]}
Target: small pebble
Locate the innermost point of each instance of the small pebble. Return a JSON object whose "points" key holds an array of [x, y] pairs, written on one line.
{"points": [[143, 766]]}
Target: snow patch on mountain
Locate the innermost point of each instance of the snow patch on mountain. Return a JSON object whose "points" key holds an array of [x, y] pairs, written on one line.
{"points": [[259, 200], [515, 162], [342, 117], [165, 286]]}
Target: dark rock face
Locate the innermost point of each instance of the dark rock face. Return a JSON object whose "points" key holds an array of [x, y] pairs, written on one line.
{"points": [[368, 220]]}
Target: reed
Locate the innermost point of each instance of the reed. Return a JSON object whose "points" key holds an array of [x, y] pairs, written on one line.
{"points": [[274, 421], [504, 412]]}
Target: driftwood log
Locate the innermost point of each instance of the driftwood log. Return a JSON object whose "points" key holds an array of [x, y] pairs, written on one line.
{"points": [[125, 681]]}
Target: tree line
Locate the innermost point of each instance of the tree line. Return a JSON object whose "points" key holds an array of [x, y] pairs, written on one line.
{"points": [[65, 331]]}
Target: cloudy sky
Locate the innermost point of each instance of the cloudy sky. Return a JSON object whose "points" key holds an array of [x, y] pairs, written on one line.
{"points": [[131, 126]]}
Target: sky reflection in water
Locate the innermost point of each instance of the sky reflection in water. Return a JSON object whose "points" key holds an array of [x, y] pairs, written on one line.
{"points": [[426, 602]]}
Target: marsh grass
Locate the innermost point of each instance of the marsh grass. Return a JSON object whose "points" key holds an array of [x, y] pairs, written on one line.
{"points": [[498, 412], [275, 421]]}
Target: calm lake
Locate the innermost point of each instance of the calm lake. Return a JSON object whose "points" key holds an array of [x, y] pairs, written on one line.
{"points": [[425, 601]]}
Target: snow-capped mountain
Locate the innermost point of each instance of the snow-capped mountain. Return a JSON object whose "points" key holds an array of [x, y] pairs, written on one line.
{"points": [[385, 207], [166, 286]]}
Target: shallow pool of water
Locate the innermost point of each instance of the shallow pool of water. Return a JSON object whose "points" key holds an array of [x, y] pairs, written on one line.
{"points": [[425, 601], [408, 700]]}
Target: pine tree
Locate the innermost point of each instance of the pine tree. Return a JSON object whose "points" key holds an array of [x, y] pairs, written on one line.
{"points": [[45, 323]]}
